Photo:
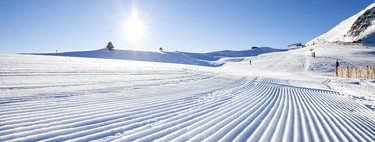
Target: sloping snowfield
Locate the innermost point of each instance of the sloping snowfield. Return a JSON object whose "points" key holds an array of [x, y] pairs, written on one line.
{"points": [[80, 99]]}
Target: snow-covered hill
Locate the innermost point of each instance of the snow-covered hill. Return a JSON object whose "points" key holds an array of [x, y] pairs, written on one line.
{"points": [[299, 63], [360, 27], [281, 96], [202, 59]]}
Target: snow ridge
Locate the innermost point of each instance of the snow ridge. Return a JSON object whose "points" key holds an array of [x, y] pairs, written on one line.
{"points": [[358, 28]]}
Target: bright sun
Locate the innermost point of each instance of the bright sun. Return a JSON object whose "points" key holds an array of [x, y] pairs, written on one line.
{"points": [[134, 29]]}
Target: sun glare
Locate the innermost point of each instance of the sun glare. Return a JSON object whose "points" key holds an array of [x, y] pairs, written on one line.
{"points": [[134, 29]]}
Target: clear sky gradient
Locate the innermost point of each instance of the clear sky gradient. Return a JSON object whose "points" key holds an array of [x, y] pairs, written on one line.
{"points": [[41, 26]]}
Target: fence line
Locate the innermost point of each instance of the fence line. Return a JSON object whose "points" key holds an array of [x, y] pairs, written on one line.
{"points": [[356, 72]]}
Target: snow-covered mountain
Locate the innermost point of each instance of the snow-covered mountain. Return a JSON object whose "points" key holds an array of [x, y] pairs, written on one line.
{"points": [[358, 28]]}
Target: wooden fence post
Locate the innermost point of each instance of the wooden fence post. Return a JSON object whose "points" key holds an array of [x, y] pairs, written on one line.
{"points": [[367, 73], [348, 74], [357, 72], [341, 72]]}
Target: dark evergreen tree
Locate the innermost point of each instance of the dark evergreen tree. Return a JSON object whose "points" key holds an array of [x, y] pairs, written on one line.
{"points": [[110, 46]]}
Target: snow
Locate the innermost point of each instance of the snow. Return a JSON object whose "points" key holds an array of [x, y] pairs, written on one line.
{"points": [[202, 59], [281, 96], [339, 33]]}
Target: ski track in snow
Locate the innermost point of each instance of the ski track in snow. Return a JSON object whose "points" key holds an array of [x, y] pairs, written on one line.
{"points": [[248, 109], [174, 104]]}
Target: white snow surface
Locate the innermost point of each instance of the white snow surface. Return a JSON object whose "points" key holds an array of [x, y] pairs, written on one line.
{"points": [[281, 96], [212, 59], [339, 33]]}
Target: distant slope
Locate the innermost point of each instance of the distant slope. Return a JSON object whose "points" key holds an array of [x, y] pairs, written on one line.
{"points": [[244, 53], [359, 27], [201, 59], [169, 57]]}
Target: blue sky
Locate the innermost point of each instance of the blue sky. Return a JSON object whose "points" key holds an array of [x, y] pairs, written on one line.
{"points": [[41, 26]]}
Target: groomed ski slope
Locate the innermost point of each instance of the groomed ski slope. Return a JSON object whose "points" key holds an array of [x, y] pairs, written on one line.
{"points": [[79, 99]]}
